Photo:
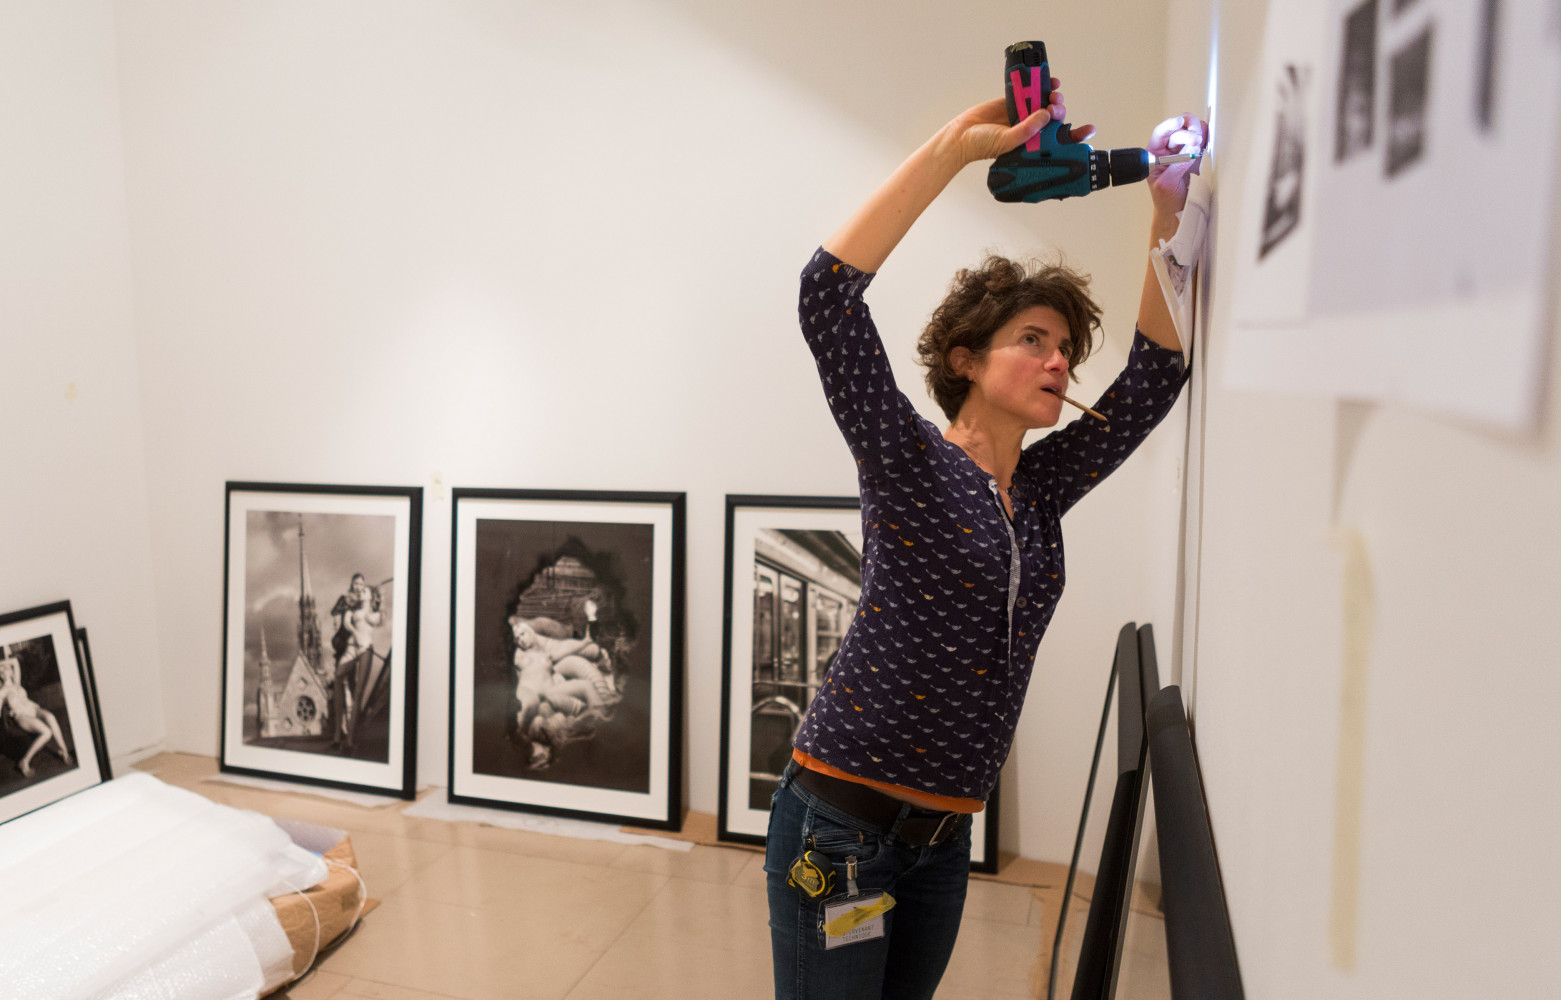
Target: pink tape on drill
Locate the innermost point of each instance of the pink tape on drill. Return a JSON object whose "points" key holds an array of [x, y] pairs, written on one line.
{"points": [[1027, 101]]}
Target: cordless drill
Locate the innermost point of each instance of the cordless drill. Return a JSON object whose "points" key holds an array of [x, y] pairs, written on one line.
{"points": [[1050, 164]]}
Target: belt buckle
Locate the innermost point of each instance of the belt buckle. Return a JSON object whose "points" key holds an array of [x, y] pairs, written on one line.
{"points": [[945, 827]]}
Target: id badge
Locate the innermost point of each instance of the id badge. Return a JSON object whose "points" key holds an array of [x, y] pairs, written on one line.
{"points": [[854, 919]]}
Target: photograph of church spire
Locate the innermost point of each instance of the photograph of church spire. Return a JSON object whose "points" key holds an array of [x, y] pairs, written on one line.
{"points": [[320, 620], [295, 708]]}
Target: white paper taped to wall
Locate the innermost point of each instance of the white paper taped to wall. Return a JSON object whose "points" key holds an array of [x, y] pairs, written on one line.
{"points": [[1395, 229]]}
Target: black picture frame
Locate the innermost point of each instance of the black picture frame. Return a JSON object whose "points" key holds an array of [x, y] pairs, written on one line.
{"points": [[1134, 680], [48, 712], [566, 653], [345, 713], [95, 709], [1200, 944], [810, 546]]}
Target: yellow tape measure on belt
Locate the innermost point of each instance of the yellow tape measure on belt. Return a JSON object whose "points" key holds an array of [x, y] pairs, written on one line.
{"points": [[814, 874]]}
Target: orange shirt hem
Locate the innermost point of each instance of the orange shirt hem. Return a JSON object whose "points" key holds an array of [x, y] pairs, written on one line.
{"points": [[942, 803]]}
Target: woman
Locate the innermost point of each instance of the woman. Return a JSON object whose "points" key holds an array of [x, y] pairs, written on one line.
{"points": [[31, 717], [356, 615], [962, 567]]}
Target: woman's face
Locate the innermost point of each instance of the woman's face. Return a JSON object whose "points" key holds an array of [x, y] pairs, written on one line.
{"points": [[1024, 371], [525, 636]]}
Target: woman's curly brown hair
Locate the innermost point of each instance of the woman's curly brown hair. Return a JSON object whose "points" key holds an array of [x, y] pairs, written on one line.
{"points": [[980, 301]]}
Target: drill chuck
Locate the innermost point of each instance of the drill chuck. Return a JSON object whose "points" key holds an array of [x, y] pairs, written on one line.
{"points": [[1129, 165]]}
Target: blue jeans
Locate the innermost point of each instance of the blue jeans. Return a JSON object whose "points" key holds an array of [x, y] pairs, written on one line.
{"points": [[927, 883]]}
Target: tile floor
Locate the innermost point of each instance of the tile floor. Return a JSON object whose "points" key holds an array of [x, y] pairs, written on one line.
{"points": [[476, 912]]}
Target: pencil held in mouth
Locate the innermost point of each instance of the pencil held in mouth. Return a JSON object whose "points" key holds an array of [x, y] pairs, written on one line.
{"points": [[1094, 413]]}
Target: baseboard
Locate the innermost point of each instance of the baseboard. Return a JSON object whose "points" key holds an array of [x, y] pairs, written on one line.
{"points": [[122, 762]]}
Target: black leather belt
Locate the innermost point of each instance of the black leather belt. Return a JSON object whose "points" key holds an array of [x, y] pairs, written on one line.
{"points": [[928, 829]]}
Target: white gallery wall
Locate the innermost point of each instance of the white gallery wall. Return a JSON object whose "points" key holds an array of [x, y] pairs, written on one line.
{"points": [[533, 246], [502, 244], [73, 507], [1376, 674]]}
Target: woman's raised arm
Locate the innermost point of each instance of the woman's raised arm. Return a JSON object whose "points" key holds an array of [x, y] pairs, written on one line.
{"points": [[1168, 189], [981, 133]]}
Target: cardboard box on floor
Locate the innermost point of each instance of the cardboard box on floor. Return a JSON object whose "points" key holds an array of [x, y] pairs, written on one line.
{"points": [[319, 916]]}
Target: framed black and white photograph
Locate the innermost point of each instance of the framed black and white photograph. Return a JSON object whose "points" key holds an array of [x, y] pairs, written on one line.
{"points": [[566, 653], [50, 742], [1282, 205], [793, 580], [320, 634], [1487, 64], [1356, 109], [1409, 87]]}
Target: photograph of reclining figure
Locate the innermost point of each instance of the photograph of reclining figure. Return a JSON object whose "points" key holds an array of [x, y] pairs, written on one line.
{"points": [[566, 652], [49, 727]]}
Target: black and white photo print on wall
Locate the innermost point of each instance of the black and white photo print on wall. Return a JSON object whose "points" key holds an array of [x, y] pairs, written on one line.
{"points": [[1282, 206], [1409, 79], [566, 653], [1356, 110], [49, 742], [320, 634]]}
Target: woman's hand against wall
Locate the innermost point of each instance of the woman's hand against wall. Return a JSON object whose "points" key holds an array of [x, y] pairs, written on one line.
{"points": [[1168, 183], [983, 132]]}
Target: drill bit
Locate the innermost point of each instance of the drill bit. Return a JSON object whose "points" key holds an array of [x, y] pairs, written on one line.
{"points": [[1173, 158]]}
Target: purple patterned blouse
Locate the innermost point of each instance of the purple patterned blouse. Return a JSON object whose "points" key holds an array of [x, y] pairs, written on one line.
{"points": [[926, 689]]}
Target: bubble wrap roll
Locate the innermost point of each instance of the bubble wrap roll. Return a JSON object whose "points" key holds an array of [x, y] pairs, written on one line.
{"points": [[102, 886]]}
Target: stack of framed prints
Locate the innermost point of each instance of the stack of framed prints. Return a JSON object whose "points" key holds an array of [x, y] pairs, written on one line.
{"points": [[51, 735], [793, 579], [566, 645], [320, 628], [566, 653]]}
